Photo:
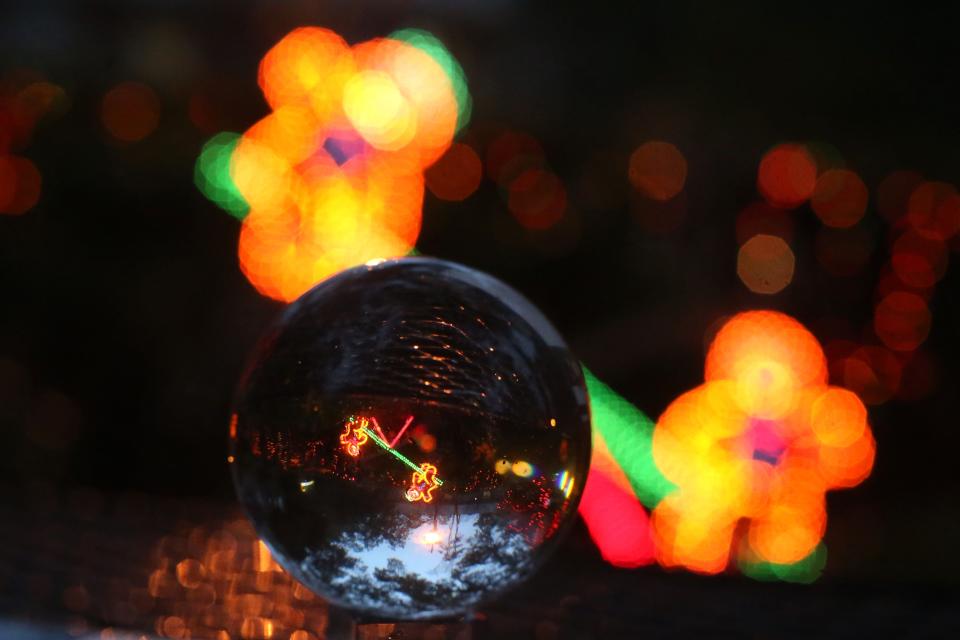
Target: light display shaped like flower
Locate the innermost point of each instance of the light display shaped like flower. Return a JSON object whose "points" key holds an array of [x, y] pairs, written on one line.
{"points": [[334, 174], [754, 449]]}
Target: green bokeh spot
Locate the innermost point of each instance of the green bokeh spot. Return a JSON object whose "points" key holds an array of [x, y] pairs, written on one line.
{"points": [[803, 571], [429, 44], [211, 174]]}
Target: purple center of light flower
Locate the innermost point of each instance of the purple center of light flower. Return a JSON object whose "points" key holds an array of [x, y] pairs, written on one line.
{"points": [[343, 145], [764, 440]]}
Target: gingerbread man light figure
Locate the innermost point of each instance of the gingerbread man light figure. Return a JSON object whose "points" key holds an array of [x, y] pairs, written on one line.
{"points": [[754, 449], [423, 483], [354, 435]]}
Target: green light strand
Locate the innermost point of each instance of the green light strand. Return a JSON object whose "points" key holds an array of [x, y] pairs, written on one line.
{"points": [[629, 437], [404, 459]]}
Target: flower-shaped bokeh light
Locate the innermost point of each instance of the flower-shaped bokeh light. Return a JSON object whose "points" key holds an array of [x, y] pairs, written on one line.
{"points": [[334, 175], [754, 449]]}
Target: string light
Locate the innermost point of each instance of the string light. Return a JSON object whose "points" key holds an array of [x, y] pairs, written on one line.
{"points": [[396, 438], [424, 480], [383, 444]]}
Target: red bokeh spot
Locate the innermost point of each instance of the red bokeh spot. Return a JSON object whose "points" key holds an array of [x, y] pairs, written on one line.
{"points": [[873, 373], [889, 282], [657, 170], [840, 198], [537, 199], [20, 185], [934, 210], [787, 176], [919, 261], [902, 321], [511, 154], [456, 175]]}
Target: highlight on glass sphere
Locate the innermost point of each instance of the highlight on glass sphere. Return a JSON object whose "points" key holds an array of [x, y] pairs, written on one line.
{"points": [[410, 439]]}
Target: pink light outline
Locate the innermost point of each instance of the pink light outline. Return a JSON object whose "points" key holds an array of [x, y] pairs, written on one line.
{"points": [[396, 438]]}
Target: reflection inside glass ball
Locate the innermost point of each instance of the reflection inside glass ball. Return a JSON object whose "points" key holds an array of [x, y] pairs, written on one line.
{"points": [[411, 438]]}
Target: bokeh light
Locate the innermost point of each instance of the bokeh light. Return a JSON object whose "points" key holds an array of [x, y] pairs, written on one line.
{"points": [[512, 153], [765, 264], [26, 99], [381, 114], [838, 418], [535, 196], [429, 44], [873, 372], [622, 478], [753, 451], [888, 281], [628, 436], [917, 260], [616, 521], [333, 177], [20, 185], [924, 219], [456, 175], [657, 170], [787, 176], [839, 198], [803, 571], [537, 199], [424, 87], [130, 111], [902, 321], [222, 582], [933, 210], [308, 67], [212, 174]]}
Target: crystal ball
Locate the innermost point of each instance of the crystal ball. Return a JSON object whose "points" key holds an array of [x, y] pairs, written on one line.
{"points": [[411, 439]]}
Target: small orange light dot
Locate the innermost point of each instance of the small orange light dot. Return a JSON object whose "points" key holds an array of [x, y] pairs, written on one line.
{"points": [[765, 264]]}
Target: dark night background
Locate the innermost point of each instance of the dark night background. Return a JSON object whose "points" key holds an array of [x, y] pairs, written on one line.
{"points": [[125, 320]]}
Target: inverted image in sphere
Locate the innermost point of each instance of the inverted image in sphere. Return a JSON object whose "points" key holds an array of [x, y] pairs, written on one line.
{"points": [[411, 438]]}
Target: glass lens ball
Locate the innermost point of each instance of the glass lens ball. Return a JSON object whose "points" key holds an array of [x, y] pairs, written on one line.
{"points": [[411, 438]]}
